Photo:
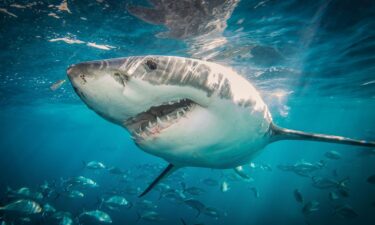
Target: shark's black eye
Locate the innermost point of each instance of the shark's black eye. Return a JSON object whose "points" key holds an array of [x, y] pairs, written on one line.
{"points": [[151, 64]]}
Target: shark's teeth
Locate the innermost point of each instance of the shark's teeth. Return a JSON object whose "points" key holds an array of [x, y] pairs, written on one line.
{"points": [[136, 133], [158, 120]]}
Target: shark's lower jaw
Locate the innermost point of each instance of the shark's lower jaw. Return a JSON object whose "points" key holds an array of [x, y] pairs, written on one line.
{"points": [[150, 123]]}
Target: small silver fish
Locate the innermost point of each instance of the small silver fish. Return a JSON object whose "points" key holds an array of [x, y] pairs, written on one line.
{"points": [[333, 196], [97, 215], [116, 201], [116, 171], [22, 206], [333, 155], [47, 208], [24, 192], [224, 186], [298, 196], [66, 220], [81, 181], [146, 205], [94, 165], [255, 192], [212, 212], [346, 212], [195, 204], [57, 85], [73, 194], [150, 216], [310, 207], [192, 190], [210, 182]]}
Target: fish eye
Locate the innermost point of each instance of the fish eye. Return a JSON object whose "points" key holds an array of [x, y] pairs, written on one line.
{"points": [[123, 76], [151, 64]]}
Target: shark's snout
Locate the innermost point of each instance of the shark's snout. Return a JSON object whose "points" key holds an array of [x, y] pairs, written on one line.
{"points": [[83, 70], [71, 71], [74, 70]]}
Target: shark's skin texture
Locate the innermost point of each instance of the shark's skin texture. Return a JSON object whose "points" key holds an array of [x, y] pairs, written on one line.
{"points": [[226, 127], [220, 121]]}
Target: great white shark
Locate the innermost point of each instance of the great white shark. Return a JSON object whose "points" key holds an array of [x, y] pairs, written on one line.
{"points": [[187, 111]]}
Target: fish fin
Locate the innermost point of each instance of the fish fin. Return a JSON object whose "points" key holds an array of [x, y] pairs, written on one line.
{"points": [[57, 196], [84, 163], [183, 221], [199, 213], [240, 173], [183, 185], [83, 210], [138, 217], [160, 195], [342, 182], [279, 133], [99, 201], [168, 170]]}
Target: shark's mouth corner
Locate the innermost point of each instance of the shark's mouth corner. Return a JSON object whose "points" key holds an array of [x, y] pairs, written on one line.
{"points": [[157, 118]]}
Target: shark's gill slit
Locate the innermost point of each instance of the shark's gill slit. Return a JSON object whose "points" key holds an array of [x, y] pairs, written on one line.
{"points": [[121, 78]]}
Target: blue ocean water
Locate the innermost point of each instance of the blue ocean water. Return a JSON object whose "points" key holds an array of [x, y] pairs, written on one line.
{"points": [[312, 61]]}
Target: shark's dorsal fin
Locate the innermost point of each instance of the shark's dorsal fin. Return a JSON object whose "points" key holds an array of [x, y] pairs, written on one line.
{"points": [[167, 171]]}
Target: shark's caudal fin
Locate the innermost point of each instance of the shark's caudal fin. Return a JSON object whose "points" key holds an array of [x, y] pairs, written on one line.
{"points": [[279, 133], [168, 170]]}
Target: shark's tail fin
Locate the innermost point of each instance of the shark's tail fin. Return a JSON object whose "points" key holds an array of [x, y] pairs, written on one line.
{"points": [[279, 133]]}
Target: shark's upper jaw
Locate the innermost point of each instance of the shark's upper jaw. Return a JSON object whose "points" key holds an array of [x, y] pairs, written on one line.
{"points": [[150, 123]]}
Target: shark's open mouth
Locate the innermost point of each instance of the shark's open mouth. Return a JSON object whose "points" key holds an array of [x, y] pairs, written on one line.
{"points": [[157, 118]]}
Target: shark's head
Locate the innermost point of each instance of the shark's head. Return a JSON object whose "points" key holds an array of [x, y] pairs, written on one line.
{"points": [[187, 111]]}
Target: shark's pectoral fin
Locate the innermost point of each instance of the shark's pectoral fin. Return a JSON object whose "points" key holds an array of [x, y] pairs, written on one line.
{"points": [[166, 172]]}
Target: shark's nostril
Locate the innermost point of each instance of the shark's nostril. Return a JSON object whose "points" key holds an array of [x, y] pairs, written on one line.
{"points": [[82, 76]]}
